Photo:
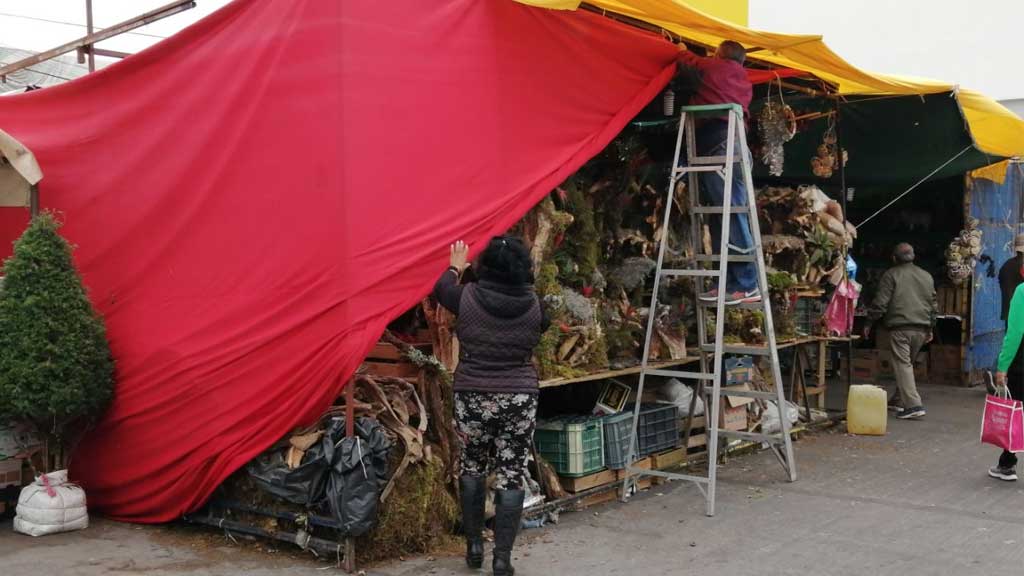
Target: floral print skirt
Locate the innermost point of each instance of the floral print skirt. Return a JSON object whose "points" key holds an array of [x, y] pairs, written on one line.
{"points": [[496, 431]]}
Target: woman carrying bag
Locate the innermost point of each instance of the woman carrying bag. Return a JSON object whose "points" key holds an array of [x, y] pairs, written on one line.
{"points": [[1010, 374], [499, 322]]}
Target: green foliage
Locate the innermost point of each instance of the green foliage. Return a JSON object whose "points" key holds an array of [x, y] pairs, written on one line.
{"points": [[780, 281], [55, 362], [582, 240]]}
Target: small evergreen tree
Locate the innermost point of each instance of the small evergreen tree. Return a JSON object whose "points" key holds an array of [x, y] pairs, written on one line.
{"points": [[56, 370]]}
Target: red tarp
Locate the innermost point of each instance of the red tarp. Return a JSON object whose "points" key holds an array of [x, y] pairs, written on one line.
{"points": [[254, 199]]}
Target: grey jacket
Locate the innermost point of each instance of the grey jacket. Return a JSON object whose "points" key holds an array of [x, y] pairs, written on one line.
{"points": [[498, 327], [905, 298]]}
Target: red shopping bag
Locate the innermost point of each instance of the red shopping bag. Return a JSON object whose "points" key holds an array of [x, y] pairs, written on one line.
{"points": [[1002, 423]]}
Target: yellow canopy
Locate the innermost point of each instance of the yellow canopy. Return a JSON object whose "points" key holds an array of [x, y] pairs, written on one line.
{"points": [[995, 129]]}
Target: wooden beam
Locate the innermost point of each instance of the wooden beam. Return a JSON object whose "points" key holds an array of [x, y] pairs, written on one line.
{"points": [[104, 52], [90, 39]]}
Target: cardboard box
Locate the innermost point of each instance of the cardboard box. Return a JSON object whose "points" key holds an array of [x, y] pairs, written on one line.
{"points": [[883, 338], [736, 401], [865, 365], [733, 417], [10, 473], [885, 367], [739, 370]]}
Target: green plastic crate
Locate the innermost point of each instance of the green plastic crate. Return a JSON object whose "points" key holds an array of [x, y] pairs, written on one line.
{"points": [[573, 446]]}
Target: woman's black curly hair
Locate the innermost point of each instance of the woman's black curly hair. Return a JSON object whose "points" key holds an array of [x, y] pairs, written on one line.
{"points": [[506, 261]]}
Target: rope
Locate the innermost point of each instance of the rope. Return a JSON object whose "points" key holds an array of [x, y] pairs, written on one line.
{"points": [[911, 189]]}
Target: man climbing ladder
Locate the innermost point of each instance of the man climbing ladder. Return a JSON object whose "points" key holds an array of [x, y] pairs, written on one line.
{"points": [[724, 81], [730, 165]]}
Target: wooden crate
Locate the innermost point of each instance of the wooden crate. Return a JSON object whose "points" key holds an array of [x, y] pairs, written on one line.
{"points": [[954, 300], [669, 459], [387, 360], [582, 483], [10, 473]]}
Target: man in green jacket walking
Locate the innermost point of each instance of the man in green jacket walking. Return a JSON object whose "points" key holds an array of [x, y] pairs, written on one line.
{"points": [[905, 302]]}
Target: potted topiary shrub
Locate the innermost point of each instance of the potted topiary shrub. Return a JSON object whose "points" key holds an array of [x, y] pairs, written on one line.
{"points": [[56, 370]]}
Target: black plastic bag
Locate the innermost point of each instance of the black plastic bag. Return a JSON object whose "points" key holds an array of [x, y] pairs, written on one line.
{"points": [[359, 468], [347, 473]]}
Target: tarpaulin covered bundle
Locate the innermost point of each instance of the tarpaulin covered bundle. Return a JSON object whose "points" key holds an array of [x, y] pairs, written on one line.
{"points": [[254, 199]]}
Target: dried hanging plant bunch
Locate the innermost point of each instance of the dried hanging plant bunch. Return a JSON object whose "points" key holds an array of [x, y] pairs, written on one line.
{"points": [[963, 252], [776, 125], [827, 159]]}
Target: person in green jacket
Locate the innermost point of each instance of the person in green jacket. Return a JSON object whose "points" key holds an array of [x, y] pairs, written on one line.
{"points": [[1010, 373], [905, 301]]}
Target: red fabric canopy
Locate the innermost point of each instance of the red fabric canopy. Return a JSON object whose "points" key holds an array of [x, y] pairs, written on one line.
{"points": [[255, 198]]}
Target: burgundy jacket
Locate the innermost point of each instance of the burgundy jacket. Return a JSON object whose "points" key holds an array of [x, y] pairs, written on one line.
{"points": [[722, 81]]}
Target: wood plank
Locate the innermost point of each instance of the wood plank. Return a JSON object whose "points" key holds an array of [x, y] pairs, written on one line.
{"points": [[698, 424], [385, 351], [698, 441], [400, 370], [644, 464], [575, 485], [669, 459], [605, 374], [602, 498]]}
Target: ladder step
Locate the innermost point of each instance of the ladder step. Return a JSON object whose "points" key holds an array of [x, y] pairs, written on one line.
{"points": [[753, 436], [750, 394], [734, 349], [759, 305], [700, 168], [720, 210], [680, 374], [731, 258], [707, 160], [690, 272]]}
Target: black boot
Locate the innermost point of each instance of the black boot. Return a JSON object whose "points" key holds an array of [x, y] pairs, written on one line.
{"points": [[508, 513], [474, 489]]}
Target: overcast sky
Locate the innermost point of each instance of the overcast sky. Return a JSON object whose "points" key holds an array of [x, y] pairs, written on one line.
{"points": [[973, 43]]}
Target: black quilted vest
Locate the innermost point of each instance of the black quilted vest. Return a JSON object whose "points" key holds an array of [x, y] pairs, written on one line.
{"points": [[495, 347]]}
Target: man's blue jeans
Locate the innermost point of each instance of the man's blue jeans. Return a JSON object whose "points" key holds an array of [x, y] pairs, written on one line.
{"points": [[712, 138]]}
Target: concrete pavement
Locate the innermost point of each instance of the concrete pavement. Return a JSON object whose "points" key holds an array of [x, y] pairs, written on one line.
{"points": [[914, 502]]}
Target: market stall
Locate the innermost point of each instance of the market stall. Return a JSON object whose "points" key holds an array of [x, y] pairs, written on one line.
{"points": [[243, 285]]}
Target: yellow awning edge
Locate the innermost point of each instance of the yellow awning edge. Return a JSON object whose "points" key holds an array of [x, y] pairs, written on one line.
{"points": [[996, 130]]}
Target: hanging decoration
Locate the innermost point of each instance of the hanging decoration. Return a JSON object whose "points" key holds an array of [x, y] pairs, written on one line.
{"points": [[963, 252], [827, 160], [776, 125]]}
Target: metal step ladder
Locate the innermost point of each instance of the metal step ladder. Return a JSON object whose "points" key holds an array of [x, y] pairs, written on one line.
{"points": [[712, 352]]}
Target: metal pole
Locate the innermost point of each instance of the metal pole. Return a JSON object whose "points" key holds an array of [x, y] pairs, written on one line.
{"points": [[349, 558], [88, 30], [846, 218]]}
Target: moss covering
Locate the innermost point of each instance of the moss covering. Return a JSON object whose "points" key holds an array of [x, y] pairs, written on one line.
{"points": [[547, 280], [420, 516], [583, 240]]}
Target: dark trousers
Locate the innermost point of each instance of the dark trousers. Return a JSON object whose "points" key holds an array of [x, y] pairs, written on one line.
{"points": [[712, 140]]}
